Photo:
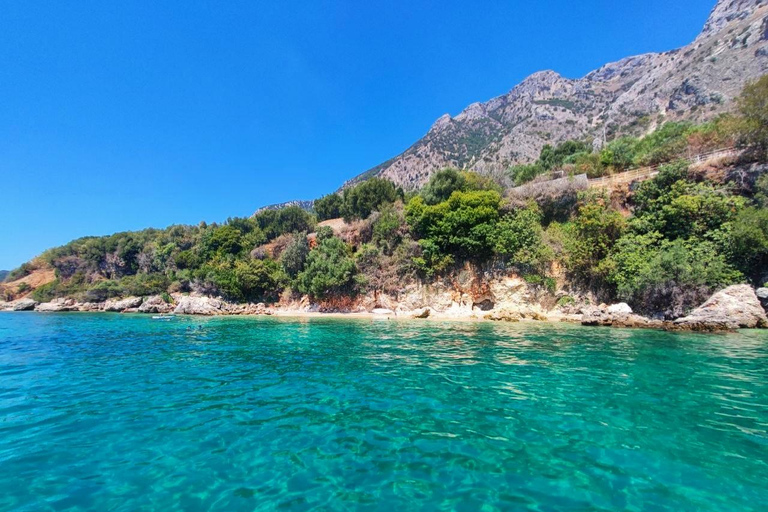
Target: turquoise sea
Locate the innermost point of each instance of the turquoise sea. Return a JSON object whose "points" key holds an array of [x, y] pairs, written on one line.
{"points": [[123, 413]]}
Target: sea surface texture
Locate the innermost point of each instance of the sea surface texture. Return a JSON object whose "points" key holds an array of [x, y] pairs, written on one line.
{"points": [[123, 413]]}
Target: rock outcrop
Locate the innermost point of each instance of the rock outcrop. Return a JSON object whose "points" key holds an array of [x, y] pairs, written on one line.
{"points": [[23, 305], [58, 305], [205, 306], [155, 304], [123, 304], [735, 307], [619, 315]]}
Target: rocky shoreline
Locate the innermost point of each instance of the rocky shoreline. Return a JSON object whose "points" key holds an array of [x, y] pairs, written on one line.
{"points": [[735, 307]]}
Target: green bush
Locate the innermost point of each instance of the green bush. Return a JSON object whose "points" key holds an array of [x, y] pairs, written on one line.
{"points": [[330, 270], [748, 245], [329, 207], [523, 173], [285, 220], [519, 235], [462, 227], [753, 107], [361, 200], [669, 276], [294, 256], [389, 228]]}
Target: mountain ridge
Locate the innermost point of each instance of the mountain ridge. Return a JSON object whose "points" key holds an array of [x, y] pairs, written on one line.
{"points": [[695, 82]]}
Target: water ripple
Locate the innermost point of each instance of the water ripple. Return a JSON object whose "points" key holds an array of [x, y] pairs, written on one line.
{"points": [[101, 412]]}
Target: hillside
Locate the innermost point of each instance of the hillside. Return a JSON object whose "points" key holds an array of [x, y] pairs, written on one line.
{"points": [[636, 94], [4, 274]]}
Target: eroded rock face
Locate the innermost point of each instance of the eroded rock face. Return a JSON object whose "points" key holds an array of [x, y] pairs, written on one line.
{"points": [[123, 304], [735, 307], [206, 306], [23, 305], [58, 305], [155, 304]]}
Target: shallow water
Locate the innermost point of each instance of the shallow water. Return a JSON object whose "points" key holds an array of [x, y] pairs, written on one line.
{"points": [[122, 412]]}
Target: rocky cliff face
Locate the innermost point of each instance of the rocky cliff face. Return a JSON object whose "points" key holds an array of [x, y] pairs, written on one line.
{"points": [[695, 82]]}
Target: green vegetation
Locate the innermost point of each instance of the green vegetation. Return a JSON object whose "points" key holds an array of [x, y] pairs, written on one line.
{"points": [[753, 107], [363, 199], [663, 247]]}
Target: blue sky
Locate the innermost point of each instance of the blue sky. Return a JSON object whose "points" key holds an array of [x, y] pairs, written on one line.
{"points": [[117, 116]]}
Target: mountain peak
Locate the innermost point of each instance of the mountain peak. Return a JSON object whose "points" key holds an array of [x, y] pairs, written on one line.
{"points": [[630, 96], [727, 11]]}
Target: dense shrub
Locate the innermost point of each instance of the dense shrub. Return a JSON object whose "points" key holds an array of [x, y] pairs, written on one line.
{"points": [[461, 227], [329, 271], [285, 220], [753, 107], [329, 207], [519, 236], [361, 200], [294, 256]]}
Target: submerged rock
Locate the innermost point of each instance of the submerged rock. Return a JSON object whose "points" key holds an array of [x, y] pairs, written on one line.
{"points": [[123, 304], [735, 307]]}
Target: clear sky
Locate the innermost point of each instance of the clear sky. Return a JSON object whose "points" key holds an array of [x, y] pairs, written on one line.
{"points": [[117, 116]]}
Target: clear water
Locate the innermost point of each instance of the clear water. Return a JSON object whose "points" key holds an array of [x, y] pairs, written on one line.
{"points": [[126, 413]]}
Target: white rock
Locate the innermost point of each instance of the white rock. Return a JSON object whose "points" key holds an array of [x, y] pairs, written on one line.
{"points": [[621, 308], [201, 306], [123, 304], [733, 308]]}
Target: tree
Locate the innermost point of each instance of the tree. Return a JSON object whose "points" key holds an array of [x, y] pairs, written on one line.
{"points": [[441, 185], [524, 173], [519, 235], [329, 271], [329, 207], [362, 199], [620, 153], [749, 243], [294, 256], [461, 227], [753, 107]]}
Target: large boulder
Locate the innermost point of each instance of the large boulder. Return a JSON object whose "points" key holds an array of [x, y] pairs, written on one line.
{"points": [[201, 306], [620, 309], [422, 313], [155, 304], [58, 305], [123, 304], [23, 305], [613, 316], [762, 296], [736, 307]]}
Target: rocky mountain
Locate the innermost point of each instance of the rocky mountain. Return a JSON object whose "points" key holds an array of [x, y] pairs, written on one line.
{"points": [[633, 95], [304, 205]]}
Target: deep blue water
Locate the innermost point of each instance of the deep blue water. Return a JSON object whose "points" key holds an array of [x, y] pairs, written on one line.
{"points": [[122, 412]]}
